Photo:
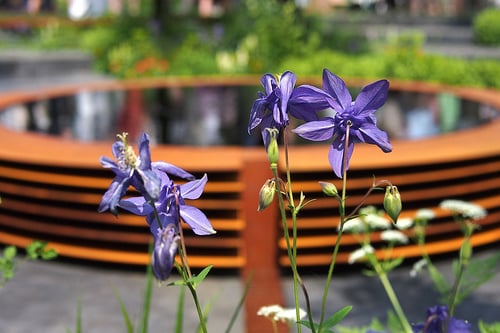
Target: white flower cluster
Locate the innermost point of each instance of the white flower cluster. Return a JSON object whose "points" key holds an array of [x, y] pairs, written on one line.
{"points": [[464, 208], [360, 253], [278, 313]]}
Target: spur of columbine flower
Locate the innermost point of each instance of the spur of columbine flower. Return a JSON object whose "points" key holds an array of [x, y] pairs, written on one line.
{"points": [[271, 108], [129, 169], [353, 121], [438, 321]]}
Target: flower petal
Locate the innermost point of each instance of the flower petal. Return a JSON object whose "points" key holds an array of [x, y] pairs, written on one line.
{"points": [[136, 205], [372, 97], [336, 157], [373, 135], [116, 190], [318, 130], [197, 220], [194, 188], [337, 88], [306, 101], [144, 153], [172, 170], [287, 83]]}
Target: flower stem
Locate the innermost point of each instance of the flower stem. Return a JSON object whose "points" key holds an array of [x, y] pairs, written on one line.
{"points": [[464, 257], [382, 275], [339, 234]]}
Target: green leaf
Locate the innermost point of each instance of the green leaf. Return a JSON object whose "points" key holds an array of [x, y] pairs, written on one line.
{"points": [[148, 292], [489, 328], [389, 265], [10, 252], [126, 316], [197, 279], [240, 304], [179, 318], [440, 283], [478, 272], [337, 317]]}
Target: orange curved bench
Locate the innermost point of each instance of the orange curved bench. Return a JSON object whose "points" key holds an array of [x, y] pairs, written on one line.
{"points": [[52, 186]]}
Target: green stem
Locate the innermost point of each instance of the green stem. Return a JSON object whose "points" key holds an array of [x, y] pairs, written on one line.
{"points": [[340, 232], [274, 169], [465, 251], [198, 307], [382, 275]]}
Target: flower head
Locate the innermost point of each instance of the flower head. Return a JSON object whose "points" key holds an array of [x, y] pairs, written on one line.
{"points": [[129, 169], [437, 317], [277, 313], [171, 206], [464, 209], [272, 107], [352, 119]]}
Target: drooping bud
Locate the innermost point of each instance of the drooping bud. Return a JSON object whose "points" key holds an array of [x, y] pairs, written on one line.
{"points": [[273, 148], [266, 194], [392, 202], [165, 249], [329, 189]]}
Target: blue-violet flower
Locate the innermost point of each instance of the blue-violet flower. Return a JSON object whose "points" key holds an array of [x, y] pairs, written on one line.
{"points": [[358, 117], [172, 207], [129, 169], [437, 318], [271, 108]]}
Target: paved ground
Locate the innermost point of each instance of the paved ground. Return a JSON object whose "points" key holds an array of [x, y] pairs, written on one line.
{"points": [[44, 296]]}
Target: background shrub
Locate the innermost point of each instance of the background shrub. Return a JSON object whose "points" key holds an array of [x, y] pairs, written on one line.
{"points": [[487, 27]]}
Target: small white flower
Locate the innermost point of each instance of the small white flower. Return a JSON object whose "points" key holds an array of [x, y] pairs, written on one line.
{"points": [[355, 225], [464, 208], [378, 222], [278, 313], [289, 315], [394, 236], [360, 253], [417, 267], [404, 223], [425, 214], [269, 311]]}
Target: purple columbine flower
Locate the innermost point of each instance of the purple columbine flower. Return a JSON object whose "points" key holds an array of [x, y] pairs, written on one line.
{"points": [[170, 209], [437, 319], [271, 108], [171, 205], [356, 115], [129, 169]]}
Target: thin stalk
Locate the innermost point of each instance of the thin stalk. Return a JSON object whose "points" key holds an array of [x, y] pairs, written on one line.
{"points": [[382, 275], [203, 323], [340, 232], [297, 280], [464, 260], [274, 169]]}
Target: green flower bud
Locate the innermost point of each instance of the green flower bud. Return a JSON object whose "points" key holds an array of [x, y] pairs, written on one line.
{"points": [[273, 148], [392, 202], [266, 194], [329, 189]]}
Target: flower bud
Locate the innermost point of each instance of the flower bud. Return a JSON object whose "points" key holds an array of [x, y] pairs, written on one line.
{"points": [[329, 189], [392, 202], [273, 148], [164, 251], [266, 194]]}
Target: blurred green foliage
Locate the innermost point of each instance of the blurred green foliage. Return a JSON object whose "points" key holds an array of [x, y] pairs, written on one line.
{"points": [[486, 26], [259, 36]]}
